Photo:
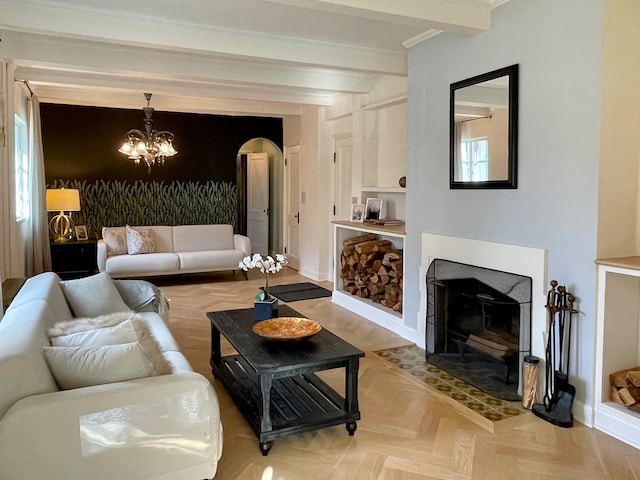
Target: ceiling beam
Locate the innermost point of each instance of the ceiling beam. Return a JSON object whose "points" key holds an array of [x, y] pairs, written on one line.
{"points": [[134, 100], [453, 15], [128, 28]]}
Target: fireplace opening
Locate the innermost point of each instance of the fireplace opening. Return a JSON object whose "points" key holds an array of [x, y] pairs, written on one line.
{"points": [[478, 325]]}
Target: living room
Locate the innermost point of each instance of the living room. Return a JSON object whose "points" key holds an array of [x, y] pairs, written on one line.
{"points": [[577, 191]]}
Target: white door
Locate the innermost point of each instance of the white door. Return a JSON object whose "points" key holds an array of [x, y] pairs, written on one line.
{"points": [[258, 202], [342, 193], [292, 222]]}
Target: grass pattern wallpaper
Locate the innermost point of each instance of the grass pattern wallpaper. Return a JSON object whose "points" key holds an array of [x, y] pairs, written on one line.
{"points": [[118, 203]]}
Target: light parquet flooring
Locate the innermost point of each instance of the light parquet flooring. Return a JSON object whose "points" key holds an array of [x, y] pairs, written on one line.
{"points": [[408, 430]]}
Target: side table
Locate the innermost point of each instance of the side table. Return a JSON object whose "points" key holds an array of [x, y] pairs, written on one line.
{"points": [[75, 258]]}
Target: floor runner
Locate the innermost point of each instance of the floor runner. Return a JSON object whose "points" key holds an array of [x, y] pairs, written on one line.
{"points": [[298, 291]]}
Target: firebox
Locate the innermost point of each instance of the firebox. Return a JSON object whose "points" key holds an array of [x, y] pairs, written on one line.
{"points": [[478, 325]]}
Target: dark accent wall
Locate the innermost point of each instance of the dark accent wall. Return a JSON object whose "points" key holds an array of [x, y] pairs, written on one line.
{"points": [[198, 185], [81, 143]]}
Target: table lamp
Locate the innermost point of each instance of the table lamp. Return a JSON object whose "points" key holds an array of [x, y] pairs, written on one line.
{"points": [[59, 200]]}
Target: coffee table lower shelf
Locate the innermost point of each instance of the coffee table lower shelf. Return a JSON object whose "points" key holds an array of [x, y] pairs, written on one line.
{"points": [[296, 403]]}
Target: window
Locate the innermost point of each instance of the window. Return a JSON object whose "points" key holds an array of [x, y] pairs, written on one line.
{"points": [[474, 153], [22, 170]]}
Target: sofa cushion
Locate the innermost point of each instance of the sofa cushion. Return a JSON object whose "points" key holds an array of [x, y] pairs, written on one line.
{"points": [[116, 240], [161, 332], [140, 240], [103, 331], [210, 260], [93, 296], [179, 362], [192, 238], [140, 265], [76, 367]]}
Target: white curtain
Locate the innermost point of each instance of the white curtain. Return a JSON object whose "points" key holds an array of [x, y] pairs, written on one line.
{"points": [[5, 182], [36, 235]]}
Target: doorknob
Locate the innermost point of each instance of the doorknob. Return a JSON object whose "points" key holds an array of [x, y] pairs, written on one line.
{"points": [[297, 215]]}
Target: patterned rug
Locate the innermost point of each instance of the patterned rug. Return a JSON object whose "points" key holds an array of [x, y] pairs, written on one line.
{"points": [[411, 358]]}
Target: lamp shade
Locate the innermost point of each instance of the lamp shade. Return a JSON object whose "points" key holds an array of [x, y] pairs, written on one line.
{"points": [[61, 199]]}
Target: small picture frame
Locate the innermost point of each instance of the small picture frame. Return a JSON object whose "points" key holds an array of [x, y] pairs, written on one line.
{"points": [[81, 232], [373, 209], [357, 212]]}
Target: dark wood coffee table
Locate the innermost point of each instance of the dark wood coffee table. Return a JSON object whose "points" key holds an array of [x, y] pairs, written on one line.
{"points": [[273, 383]]}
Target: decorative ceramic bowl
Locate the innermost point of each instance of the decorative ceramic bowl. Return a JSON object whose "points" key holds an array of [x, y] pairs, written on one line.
{"points": [[287, 328]]}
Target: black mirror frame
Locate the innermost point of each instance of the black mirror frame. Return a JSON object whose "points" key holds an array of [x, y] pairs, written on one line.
{"points": [[512, 180]]}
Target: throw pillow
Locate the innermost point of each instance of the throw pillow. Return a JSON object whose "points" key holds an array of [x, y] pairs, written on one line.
{"points": [[76, 367], [116, 240], [143, 334], [122, 333], [140, 240], [93, 296]]}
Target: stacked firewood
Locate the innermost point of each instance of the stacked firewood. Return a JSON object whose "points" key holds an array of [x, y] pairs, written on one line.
{"points": [[625, 388], [372, 268]]}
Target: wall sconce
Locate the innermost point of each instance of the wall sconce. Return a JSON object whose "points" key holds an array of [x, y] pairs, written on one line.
{"points": [[59, 200]]}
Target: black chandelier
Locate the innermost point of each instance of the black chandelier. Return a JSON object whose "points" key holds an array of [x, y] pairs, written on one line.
{"points": [[151, 146]]}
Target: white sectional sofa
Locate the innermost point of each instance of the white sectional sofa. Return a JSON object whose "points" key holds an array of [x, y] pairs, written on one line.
{"points": [[151, 425], [170, 250]]}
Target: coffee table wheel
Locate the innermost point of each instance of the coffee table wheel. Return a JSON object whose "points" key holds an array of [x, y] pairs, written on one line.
{"points": [[265, 447], [351, 428]]}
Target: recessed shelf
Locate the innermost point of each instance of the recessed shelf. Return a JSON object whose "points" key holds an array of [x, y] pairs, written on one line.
{"points": [[384, 189]]}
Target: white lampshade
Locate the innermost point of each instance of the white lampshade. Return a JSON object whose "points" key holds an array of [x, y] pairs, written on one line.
{"points": [[63, 199]]}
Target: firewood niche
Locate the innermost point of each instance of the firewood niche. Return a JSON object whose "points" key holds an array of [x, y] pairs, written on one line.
{"points": [[372, 268]]}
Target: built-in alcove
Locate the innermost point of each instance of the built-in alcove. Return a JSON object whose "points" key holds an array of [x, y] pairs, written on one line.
{"points": [[478, 325]]}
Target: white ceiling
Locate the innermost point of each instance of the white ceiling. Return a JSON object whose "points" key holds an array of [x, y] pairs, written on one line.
{"points": [[265, 57]]}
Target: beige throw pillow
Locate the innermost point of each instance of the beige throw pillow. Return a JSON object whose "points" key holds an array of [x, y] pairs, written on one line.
{"points": [[116, 240], [93, 296], [76, 367], [140, 240]]}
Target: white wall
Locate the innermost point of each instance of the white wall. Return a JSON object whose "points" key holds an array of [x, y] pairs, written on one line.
{"points": [[620, 151], [558, 47]]}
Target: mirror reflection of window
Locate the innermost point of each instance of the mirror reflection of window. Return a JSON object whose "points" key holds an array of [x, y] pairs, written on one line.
{"points": [[474, 156]]}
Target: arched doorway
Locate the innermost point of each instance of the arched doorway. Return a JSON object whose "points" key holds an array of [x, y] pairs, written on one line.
{"points": [[275, 189]]}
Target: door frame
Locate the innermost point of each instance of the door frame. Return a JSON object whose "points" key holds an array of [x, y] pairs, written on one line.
{"points": [[286, 196]]}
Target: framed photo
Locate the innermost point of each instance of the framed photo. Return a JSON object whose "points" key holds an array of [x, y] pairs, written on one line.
{"points": [[373, 209], [357, 212], [81, 232]]}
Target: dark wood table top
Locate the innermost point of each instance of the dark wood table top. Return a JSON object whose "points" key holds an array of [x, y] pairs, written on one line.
{"points": [[273, 356]]}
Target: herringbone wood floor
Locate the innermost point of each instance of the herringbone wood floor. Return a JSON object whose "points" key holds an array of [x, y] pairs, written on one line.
{"points": [[408, 431]]}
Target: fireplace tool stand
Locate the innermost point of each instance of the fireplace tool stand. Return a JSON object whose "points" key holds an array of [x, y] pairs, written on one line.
{"points": [[559, 393]]}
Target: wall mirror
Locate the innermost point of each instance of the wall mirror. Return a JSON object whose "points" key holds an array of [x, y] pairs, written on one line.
{"points": [[484, 130]]}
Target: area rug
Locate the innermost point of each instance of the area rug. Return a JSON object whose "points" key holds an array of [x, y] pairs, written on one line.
{"points": [[411, 358], [298, 291]]}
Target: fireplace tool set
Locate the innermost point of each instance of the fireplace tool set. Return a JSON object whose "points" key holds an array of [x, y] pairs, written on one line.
{"points": [[559, 393]]}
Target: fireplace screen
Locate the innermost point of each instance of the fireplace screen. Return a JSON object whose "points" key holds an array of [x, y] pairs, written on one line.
{"points": [[479, 325]]}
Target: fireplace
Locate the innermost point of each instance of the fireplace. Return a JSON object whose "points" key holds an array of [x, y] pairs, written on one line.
{"points": [[518, 260], [478, 325]]}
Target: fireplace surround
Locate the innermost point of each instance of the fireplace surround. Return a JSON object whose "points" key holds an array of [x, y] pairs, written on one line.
{"points": [[523, 261]]}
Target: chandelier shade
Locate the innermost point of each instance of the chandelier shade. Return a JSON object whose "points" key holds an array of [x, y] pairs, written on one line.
{"points": [[151, 147]]}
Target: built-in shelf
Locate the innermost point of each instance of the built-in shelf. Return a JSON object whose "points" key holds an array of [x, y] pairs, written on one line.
{"points": [[617, 343], [384, 189], [377, 313]]}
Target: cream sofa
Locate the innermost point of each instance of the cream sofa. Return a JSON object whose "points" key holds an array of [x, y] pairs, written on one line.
{"points": [[151, 427], [174, 250]]}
